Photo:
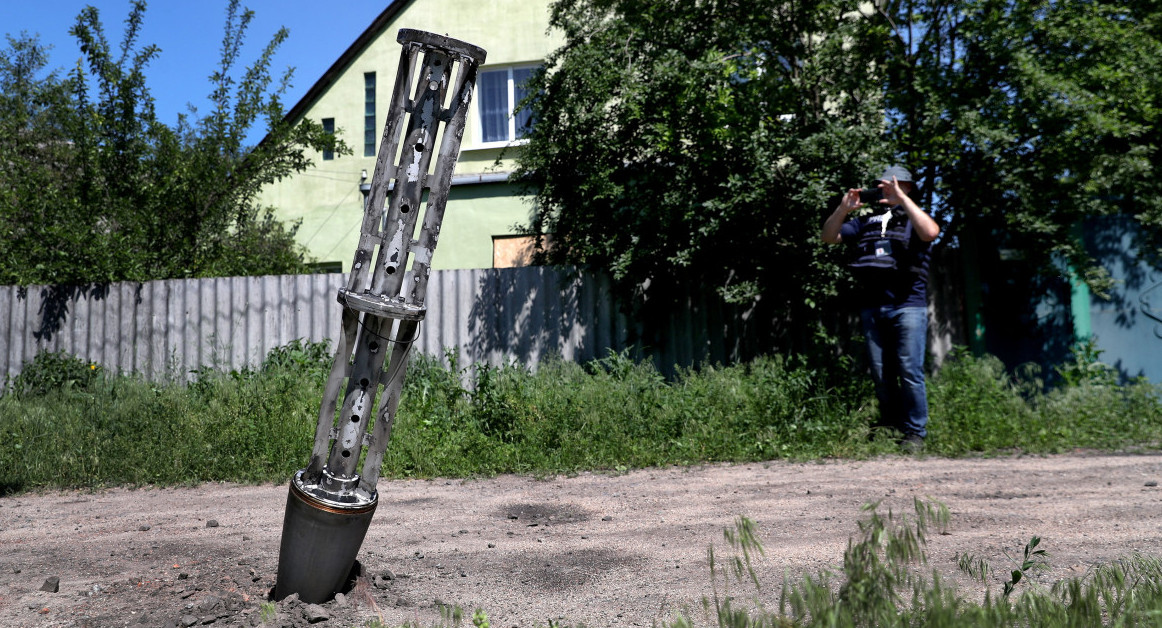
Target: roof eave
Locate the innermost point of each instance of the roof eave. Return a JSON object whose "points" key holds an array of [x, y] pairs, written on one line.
{"points": [[341, 64]]}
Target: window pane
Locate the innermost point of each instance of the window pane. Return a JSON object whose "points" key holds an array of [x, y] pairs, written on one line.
{"points": [[524, 117], [329, 129], [369, 114], [494, 107]]}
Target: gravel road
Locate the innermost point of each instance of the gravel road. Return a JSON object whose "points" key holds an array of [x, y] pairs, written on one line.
{"points": [[592, 549]]}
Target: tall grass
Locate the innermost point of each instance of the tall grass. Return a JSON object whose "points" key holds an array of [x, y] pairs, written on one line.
{"points": [[65, 423], [884, 582], [613, 413], [977, 407]]}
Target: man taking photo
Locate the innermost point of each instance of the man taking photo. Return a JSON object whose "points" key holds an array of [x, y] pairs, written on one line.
{"points": [[891, 248]]}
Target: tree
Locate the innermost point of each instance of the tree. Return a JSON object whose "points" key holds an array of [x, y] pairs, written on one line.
{"points": [[126, 197], [703, 142], [700, 144], [1029, 118], [35, 156]]}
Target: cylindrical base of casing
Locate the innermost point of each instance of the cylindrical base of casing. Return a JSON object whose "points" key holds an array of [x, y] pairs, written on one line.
{"points": [[320, 540]]}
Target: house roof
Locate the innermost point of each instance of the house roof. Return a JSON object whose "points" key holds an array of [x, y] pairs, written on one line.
{"points": [[336, 70]]}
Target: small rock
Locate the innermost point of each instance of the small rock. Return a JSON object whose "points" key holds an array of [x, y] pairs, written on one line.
{"points": [[51, 585], [183, 575], [210, 604], [491, 545], [143, 529], [1151, 483], [185, 621], [387, 574], [607, 518], [213, 523], [314, 613], [340, 600]]}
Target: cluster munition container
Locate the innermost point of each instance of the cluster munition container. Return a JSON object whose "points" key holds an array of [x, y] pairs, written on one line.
{"points": [[331, 501]]}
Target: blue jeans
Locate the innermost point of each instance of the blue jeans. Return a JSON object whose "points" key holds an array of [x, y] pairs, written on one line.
{"points": [[897, 339]]}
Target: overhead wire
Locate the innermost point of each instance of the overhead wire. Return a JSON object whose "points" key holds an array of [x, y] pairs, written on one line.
{"points": [[329, 215]]}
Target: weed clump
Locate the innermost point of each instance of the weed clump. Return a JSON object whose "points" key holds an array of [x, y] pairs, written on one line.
{"points": [[51, 371], [882, 583]]}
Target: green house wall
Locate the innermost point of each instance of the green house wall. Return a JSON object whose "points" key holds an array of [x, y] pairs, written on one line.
{"points": [[325, 200]]}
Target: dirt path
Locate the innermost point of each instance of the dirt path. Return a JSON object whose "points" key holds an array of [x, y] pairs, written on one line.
{"points": [[601, 550]]}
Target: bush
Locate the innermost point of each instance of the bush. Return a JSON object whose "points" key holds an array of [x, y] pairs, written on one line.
{"points": [[52, 371], [975, 406], [613, 413], [300, 356]]}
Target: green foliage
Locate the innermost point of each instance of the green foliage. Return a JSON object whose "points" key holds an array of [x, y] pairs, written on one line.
{"points": [[696, 143], [52, 371], [1026, 118], [300, 356], [881, 584], [746, 548], [94, 188], [267, 611], [616, 413], [451, 613], [1085, 366], [613, 414], [1034, 558], [127, 431], [702, 143], [977, 407]]}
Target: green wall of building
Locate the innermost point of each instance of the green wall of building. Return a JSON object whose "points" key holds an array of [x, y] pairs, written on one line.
{"points": [[326, 201]]}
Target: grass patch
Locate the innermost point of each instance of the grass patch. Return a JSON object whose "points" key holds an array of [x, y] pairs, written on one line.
{"points": [[68, 424], [884, 583]]}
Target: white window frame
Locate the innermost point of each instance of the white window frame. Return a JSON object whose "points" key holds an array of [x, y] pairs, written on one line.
{"points": [[478, 134]]}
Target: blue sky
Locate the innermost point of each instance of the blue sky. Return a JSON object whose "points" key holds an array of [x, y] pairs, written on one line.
{"points": [[189, 33]]}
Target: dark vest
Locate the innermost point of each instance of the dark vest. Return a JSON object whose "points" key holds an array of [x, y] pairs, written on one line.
{"points": [[898, 276]]}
